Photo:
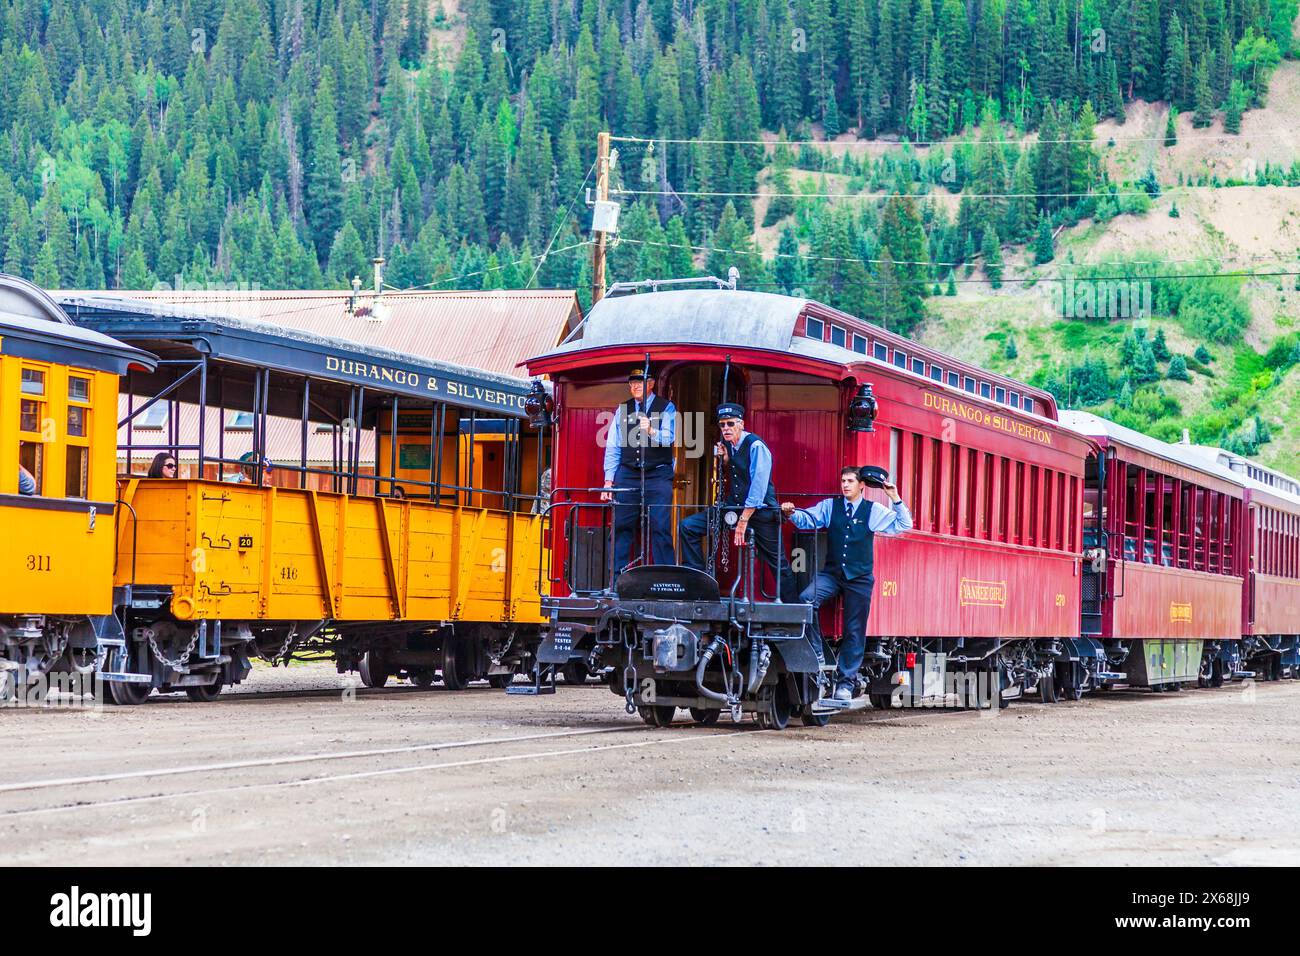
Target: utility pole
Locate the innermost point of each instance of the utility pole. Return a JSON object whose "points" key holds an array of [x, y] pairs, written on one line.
{"points": [[602, 195]]}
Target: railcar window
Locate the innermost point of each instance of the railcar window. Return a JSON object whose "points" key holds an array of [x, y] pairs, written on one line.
{"points": [[954, 487], [985, 390], [1215, 528], [1200, 554], [936, 483], [860, 343], [839, 336], [900, 358], [968, 383], [77, 474], [881, 352], [1000, 394], [815, 329], [1072, 515], [918, 470], [1150, 520], [1049, 509], [1017, 497], [1034, 499], [1004, 498], [954, 380], [1029, 404], [895, 465], [970, 506], [936, 373], [1062, 536], [918, 366], [987, 520], [1166, 522], [1014, 399], [33, 381]]}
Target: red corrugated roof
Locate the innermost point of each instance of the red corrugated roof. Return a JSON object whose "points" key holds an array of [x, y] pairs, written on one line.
{"points": [[494, 331]]}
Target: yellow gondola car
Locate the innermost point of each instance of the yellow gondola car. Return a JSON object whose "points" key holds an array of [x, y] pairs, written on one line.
{"points": [[58, 494], [412, 548]]}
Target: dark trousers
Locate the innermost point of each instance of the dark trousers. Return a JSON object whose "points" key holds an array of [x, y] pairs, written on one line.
{"points": [[857, 606], [658, 502], [693, 531]]}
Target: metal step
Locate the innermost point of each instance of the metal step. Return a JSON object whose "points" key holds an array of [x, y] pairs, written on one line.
{"points": [[122, 677], [1110, 676], [112, 642]]}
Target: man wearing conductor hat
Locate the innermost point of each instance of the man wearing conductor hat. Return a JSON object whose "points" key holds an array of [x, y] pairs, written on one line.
{"points": [[639, 471], [751, 497], [853, 524]]}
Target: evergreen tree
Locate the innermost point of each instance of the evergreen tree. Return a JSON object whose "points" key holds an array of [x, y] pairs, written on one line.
{"points": [[324, 168], [1178, 369], [991, 250], [1203, 98], [1171, 127], [1044, 246]]}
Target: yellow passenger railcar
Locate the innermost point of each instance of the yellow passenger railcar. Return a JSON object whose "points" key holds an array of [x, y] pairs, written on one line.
{"points": [[376, 506], [58, 492]]}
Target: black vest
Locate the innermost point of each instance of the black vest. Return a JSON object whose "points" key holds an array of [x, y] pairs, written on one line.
{"points": [[738, 490], [649, 455], [850, 547]]}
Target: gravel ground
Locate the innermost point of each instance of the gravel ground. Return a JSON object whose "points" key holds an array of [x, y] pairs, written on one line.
{"points": [[1129, 777]]}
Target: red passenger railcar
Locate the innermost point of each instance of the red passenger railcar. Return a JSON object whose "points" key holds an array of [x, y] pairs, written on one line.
{"points": [[987, 582], [1270, 611], [1164, 588]]}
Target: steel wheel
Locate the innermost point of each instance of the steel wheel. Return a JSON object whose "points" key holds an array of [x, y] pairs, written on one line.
{"points": [[454, 676], [128, 695], [811, 719], [657, 715], [774, 710], [422, 679], [705, 716], [575, 672], [1047, 689], [205, 694], [881, 701], [372, 669]]}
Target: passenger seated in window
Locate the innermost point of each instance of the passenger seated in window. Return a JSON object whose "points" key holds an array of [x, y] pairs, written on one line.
{"points": [[26, 483], [163, 465], [247, 474]]}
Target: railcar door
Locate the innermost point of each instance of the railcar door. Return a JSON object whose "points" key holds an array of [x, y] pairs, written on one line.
{"points": [[1093, 578], [696, 390]]}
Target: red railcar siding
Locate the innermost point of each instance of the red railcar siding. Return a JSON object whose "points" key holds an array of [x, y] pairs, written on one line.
{"points": [[1270, 535], [1160, 602], [1276, 605]]}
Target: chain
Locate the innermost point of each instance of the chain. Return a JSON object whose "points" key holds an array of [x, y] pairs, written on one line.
{"points": [[180, 661], [629, 684], [284, 648]]}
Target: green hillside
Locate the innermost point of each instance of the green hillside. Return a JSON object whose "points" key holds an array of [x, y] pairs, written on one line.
{"points": [[964, 171]]}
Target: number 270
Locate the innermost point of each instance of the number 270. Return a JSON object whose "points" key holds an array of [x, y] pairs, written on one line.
{"points": [[38, 562]]}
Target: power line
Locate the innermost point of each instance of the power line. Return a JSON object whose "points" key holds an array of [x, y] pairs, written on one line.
{"points": [[563, 223], [954, 265], [890, 144], [868, 195]]}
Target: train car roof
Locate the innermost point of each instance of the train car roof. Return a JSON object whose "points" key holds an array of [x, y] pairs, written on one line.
{"points": [[34, 326], [1187, 456], [181, 333], [726, 318]]}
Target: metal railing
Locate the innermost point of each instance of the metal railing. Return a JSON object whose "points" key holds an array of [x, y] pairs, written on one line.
{"points": [[567, 512]]}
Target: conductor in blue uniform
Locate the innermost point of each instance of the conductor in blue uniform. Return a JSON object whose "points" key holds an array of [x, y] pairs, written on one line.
{"points": [[639, 454], [853, 524], [748, 466]]}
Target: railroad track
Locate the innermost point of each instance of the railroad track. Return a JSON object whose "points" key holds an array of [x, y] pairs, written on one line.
{"points": [[69, 794]]}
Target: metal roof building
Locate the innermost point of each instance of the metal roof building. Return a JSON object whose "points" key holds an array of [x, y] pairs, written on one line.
{"points": [[492, 332]]}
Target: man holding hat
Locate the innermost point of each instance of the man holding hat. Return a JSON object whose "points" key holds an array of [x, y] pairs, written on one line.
{"points": [[748, 467], [853, 524], [639, 460]]}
